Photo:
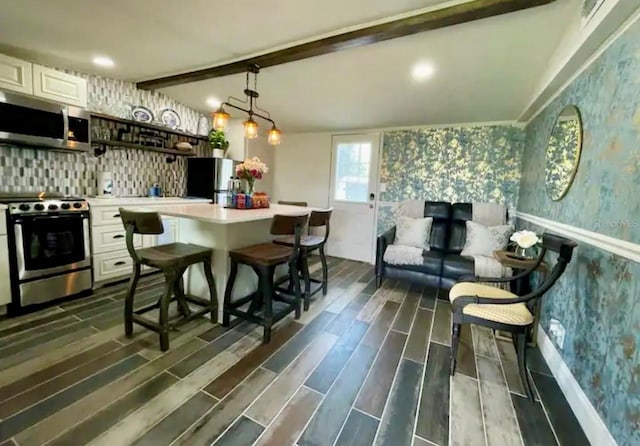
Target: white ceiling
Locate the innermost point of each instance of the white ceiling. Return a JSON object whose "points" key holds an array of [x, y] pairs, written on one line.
{"points": [[486, 70]]}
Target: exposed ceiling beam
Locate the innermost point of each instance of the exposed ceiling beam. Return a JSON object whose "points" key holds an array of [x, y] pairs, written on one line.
{"points": [[453, 15]]}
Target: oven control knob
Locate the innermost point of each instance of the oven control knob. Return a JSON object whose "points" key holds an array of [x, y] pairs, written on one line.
{"points": [[39, 207], [24, 207], [77, 205], [53, 207], [65, 205]]}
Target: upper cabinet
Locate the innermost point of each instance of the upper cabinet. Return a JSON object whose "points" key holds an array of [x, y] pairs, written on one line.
{"points": [[58, 86], [16, 74], [25, 77]]}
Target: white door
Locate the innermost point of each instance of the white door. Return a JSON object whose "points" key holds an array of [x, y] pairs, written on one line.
{"points": [[354, 171]]}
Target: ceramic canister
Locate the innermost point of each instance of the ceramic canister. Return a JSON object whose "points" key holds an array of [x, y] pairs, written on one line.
{"points": [[105, 183]]}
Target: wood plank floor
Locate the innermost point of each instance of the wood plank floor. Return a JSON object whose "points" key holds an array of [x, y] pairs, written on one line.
{"points": [[361, 367]]}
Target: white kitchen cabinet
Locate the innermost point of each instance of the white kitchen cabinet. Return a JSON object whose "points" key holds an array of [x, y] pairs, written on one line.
{"points": [[112, 238], [5, 287], [16, 74], [58, 86], [112, 265]]}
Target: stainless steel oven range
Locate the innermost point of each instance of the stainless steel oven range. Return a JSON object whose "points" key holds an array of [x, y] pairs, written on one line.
{"points": [[49, 247]]}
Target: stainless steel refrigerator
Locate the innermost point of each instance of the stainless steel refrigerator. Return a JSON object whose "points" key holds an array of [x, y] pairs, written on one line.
{"points": [[209, 177]]}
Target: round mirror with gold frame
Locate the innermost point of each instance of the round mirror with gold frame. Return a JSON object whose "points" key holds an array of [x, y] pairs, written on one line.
{"points": [[563, 152]]}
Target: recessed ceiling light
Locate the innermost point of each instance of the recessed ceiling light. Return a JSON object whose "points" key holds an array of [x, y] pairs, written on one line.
{"points": [[213, 102], [103, 61], [422, 71]]}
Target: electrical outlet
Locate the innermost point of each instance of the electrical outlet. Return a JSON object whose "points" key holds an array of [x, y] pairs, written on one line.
{"points": [[556, 332]]}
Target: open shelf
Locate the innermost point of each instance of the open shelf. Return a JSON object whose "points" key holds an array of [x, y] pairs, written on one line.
{"points": [[147, 126], [129, 145]]}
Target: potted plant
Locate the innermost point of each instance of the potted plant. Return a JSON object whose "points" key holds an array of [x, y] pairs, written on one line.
{"points": [[218, 142]]}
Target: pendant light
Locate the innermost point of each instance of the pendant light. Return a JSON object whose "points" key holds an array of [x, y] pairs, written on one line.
{"points": [[221, 117]]}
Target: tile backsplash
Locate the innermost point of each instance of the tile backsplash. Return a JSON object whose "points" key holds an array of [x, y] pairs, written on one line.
{"points": [[25, 169]]}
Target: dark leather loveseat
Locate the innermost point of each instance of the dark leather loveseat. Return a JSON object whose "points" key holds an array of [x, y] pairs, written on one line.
{"points": [[443, 265]]}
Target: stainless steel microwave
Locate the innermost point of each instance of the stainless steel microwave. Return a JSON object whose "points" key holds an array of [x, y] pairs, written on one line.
{"points": [[35, 122]]}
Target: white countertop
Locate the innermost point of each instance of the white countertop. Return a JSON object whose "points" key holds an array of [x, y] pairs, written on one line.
{"points": [[142, 201], [3, 207], [215, 213]]}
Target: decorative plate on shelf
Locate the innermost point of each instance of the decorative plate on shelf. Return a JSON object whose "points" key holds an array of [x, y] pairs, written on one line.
{"points": [[170, 118], [142, 114]]}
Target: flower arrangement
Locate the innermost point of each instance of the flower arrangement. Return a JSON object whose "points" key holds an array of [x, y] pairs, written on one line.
{"points": [[525, 240], [251, 169]]}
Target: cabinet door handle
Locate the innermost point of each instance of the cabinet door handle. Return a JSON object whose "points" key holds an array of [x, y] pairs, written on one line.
{"points": [[116, 216], [120, 263], [118, 236]]}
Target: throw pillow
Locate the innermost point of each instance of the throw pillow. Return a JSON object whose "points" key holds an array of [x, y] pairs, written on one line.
{"points": [[413, 231], [483, 240]]}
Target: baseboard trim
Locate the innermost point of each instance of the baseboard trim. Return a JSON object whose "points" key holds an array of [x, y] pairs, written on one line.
{"points": [[616, 246], [593, 426]]}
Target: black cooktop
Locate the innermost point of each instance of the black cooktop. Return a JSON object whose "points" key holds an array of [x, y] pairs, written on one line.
{"points": [[25, 197]]}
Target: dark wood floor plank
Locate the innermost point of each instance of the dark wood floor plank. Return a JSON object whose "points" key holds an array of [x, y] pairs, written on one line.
{"points": [[43, 409], [288, 426], [441, 332], [45, 390], [404, 320], [209, 351], [39, 331], [41, 338], [359, 430], [30, 324], [433, 413], [428, 298], [245, 366], [241, 433], [467, 420], [279, 361], [368, 276], [8, 443], [568, 428], [509, 362], [329, 368], [214, 333], [419, 337], [178, 421], [370, 288], [466, 361], [536, 362], [339, 325], [535, 428], [216, 421], [324, 427], [396, 426], [381, 325], [101, 398], [376, 388], [54, 370], [103, 420]]}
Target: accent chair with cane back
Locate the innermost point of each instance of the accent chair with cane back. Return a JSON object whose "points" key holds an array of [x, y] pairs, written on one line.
{"points": [[475, 303]]}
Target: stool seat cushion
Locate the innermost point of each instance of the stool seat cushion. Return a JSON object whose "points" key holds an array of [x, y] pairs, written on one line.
{"points": [[262, 254], [306, 241], [164, 256], [512, 314]]}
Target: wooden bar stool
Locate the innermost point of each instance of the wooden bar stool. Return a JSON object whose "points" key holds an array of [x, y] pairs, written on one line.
{"points": [[308, 244], [263, 259], [173, 260]]}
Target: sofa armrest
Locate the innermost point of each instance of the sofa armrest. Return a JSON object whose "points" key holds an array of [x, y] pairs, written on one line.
{"points": [[384, 240]]}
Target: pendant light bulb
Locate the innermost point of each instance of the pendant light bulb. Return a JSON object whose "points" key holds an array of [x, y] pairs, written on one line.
{"points": [[250, 128], [274, 136], [220, 119]]}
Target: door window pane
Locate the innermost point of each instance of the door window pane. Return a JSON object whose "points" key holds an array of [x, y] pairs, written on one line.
{"points": [[352, 172]]}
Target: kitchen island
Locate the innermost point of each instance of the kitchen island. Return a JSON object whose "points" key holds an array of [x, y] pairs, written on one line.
{"points": [[213, 226]]}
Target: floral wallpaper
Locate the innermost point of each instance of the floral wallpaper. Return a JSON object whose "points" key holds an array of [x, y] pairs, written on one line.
{"points": [[563, 153], [598, 298], [456, 164]]}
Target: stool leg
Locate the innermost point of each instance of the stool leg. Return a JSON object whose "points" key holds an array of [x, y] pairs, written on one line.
{"points": [[178, 290], [307, 280], [325, 271], [170, 278], [227, 293], [295, 278], [267, 295], [212, 290], [128, 301]]}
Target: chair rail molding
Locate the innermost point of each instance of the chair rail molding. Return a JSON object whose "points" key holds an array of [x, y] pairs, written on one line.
{"points": [[594, 427], [623, 248]]}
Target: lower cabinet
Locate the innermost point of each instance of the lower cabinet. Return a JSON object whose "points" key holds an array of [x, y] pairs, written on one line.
{"points": [[5, 287], [111, 265]]}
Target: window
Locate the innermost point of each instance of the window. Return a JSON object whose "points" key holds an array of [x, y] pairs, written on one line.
{"points": [[352, 172]]}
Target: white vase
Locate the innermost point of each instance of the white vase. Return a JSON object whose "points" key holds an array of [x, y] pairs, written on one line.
{"points": [[218, 153]]}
